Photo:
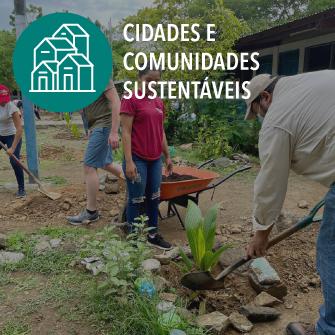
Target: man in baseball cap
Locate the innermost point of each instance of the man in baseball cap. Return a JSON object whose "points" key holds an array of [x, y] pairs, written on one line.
{"points": [[11, 135], [258, 85], [298, 133]]}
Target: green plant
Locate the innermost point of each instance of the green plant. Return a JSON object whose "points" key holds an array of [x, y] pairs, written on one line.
{"points": [[75, 131], [122, 258], [71, 126], [201, 237]]}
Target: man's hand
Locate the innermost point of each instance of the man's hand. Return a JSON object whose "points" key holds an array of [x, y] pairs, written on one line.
{"points": [[10, 151], [131, 170], [258, 244], [169, 165], [114, 140]]}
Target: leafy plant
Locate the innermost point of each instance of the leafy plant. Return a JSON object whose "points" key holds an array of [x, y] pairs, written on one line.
{"points": [[122, 258], [201, 237]]}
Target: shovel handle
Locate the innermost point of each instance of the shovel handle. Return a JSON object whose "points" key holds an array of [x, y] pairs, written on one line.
{"points": [[282, 236], [21, 165]]}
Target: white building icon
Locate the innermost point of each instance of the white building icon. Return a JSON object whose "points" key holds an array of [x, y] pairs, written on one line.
{"points": [[61, 62]]}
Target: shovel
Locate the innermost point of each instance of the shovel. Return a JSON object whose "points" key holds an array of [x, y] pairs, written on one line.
{"points": [[51, 195], [204, 280]]}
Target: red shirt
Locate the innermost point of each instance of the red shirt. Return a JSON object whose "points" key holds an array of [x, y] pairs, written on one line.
{"points": [[147, 132]]}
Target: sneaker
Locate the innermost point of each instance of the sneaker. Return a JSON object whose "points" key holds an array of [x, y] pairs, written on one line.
{"points": [[83, 218], [296, 328], [158, 242], [20, 194]]}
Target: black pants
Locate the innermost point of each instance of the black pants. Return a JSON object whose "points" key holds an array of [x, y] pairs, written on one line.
{"points": [[8, 140]]}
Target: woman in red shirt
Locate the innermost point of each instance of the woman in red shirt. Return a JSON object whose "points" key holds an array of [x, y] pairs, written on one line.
{"points": [[144, 142]]}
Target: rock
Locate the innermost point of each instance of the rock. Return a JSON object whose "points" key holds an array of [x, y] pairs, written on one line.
{"points": [[241, 158], [276, 290], [174, 253], [3, 241], [114, 212], [186, 314], [213, 321], [265, 274], [66, 206], [168, 297], [112, 188], [186, 146], [111, 179], [266, 300], [235, 230], [165, 306], [315, 282], [94, 265], [102, 179], [288, 306], [161, 283], [260, 314], [55, 243], [177, 332], [303, 204], [42, 246], [7, 257], [232, 255], [240, 322], [151, 265], [222, 162], [163, 259]]}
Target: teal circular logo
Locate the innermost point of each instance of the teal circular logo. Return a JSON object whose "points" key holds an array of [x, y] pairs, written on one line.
{"points": [[62, 62]]}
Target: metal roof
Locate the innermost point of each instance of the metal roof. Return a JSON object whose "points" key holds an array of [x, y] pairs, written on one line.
{"points": [[316, 24]]}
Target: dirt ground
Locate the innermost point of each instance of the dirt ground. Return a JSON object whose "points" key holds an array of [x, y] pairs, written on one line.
{"points": [[61, 167]]}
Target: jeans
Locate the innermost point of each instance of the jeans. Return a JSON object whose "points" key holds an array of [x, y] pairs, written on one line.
{"points": [[326, 265], [144, 192], [8, 140]]}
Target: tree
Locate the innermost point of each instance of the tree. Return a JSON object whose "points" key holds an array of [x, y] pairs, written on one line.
{"points": [[319, 5], [264, 14], [7, 45], [228, 30]]}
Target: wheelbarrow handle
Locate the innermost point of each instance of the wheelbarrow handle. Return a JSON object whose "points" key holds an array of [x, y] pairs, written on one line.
{"points": [[205, 163], [306, 221], [223, 179]]}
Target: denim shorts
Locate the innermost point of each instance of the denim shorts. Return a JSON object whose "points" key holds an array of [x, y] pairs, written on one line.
{"points": [[98, 152]]}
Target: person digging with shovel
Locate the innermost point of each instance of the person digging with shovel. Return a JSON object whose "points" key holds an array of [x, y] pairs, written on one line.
{"points": [[298, 133], [11, 135]]}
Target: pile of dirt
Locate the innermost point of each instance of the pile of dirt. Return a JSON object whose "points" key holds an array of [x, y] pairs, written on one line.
{"points": [[174, 177], [37, 210]]}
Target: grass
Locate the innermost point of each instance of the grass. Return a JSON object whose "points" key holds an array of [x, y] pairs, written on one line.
{"points": [[55, 180], [47, 281], [15, 328]]}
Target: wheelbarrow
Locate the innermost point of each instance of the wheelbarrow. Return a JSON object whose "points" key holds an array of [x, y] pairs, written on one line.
{"points": [[178, 193]]}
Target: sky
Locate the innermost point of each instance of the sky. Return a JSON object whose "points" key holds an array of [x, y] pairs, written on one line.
{"points": [[102, 10]]}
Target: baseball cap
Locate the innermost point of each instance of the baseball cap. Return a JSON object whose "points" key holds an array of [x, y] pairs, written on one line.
{"points": [[4, 94], [256, 86]]}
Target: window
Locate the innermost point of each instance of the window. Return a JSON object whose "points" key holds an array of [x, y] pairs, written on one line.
{"points": [[265, 64], [288, 63], [318, 58]]}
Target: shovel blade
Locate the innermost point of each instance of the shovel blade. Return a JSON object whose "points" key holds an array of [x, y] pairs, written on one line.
{"points": [[199, 281], [50, 195]]}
